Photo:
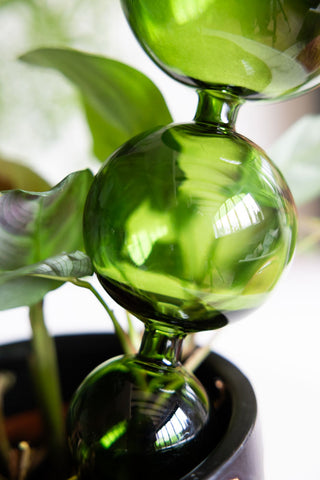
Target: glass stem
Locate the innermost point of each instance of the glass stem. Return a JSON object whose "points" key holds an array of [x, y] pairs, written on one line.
{"points": [[219, 108], [161, 345]]}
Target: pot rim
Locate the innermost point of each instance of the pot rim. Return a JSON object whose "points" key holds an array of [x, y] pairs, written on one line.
{"points": [[241, 426], [239, 435]]}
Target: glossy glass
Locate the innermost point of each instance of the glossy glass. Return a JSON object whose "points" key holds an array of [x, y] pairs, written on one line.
{"points": [[190, 225], [256, 48], [140, 417]]}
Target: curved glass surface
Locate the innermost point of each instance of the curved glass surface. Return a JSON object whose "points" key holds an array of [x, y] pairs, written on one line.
{"points": [[132, 419], [256, 48], [189, 225]]}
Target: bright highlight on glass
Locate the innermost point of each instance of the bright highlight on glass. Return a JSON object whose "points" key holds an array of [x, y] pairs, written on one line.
{"points": [[189, 227]]}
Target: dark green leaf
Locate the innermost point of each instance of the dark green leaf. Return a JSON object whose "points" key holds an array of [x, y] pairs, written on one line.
{"points": [[297, 154], [120, 102], [35, 227]]}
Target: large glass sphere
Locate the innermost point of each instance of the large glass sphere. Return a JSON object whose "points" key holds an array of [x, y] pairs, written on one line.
{"points": [[258, 48], [138, 420], [189, 225]]}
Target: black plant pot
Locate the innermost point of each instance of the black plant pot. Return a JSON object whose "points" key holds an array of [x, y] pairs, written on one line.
{"points": [[235, 454]]}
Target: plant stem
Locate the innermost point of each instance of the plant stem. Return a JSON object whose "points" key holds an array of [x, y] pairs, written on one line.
{"points": [[6, 381], [189, 346], [45, 375], [134, 335], [312, 238], [122, 335], [25, 460], [199, 354], [196, 358], [309, 242]]}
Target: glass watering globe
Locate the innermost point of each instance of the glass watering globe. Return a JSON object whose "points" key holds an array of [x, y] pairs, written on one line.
{"points": [[189, 226]]}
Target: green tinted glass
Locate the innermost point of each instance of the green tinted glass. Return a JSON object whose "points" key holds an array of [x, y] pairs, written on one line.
{"points": [[190, 225], [259, 48], [132, 419]]}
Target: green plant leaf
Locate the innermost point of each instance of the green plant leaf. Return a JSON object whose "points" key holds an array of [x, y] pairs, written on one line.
{"points": [[297, 154], [119, 101], [14, 175], [6, 2], [67, 265], [24, 291], [35, 227]]}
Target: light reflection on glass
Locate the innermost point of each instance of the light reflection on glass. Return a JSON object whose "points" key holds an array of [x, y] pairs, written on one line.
{"points": [[237, 213], [187, 10], [113, 434], [174, 430], [142, 242]]}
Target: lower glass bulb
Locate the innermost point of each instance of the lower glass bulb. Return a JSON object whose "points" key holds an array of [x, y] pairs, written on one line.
{"points": [[136, 419]]}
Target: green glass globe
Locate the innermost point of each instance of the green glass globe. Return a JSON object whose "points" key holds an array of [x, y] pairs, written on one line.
{"points": [[256, 48], [189, 225], [137, 419]]}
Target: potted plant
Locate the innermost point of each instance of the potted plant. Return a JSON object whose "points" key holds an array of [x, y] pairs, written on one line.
{"points": [[42, 247]]}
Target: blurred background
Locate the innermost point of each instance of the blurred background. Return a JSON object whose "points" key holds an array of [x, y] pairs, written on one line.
{"points": [[42, 126]]}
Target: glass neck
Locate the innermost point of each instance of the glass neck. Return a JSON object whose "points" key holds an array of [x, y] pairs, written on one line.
{"points": [[217, 108], [162, 345]]}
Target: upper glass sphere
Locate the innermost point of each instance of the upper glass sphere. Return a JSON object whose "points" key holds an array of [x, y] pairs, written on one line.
{"points": [[258, 48], [189, 225]]}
